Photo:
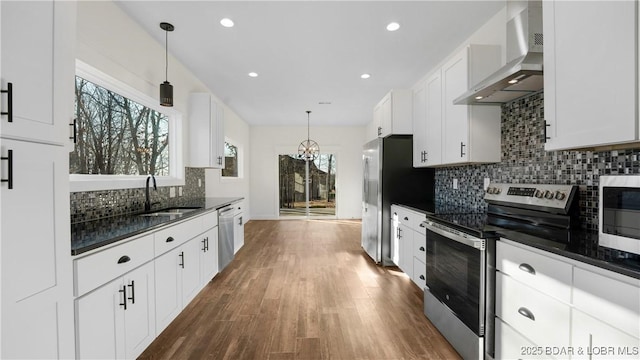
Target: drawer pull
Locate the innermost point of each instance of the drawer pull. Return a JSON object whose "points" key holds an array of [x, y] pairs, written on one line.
{"points": [[170, 239], [422, 277], [124, 259], [423, 225], [9, 93], [181, 255], [527, 268], [422, 248], [406, 218], [526, 313]]}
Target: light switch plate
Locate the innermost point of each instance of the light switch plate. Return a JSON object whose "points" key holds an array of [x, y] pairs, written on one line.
{"points": [[487, 181], [455, 184]]}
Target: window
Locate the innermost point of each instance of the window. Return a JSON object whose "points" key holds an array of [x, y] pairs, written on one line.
{"points": [[232, 160], [116, 135], [123, 135]]}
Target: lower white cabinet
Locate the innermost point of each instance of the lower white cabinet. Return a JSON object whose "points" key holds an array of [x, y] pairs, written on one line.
{"points": [[116, 320], [238, 232], [405, 246], [548, 306], [601, 340], [408, 243], [208, 255]]}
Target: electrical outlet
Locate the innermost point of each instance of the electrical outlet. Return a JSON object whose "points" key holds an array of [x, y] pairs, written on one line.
{"points": [[172, 192], [180, 191], [455, 184], [487, 181], [199, 183]]}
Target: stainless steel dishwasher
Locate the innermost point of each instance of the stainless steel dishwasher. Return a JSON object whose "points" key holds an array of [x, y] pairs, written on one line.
{"points": [[225, 236]]}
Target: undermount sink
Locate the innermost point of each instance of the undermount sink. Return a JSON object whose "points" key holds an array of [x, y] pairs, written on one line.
{"points": [[172, 211]]}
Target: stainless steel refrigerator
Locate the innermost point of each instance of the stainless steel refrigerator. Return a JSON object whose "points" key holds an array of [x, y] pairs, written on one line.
{"points": [[390, 178]]}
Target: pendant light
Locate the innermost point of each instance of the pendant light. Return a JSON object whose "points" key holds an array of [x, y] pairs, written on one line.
{"points": [[308, 150], [166, 89]]}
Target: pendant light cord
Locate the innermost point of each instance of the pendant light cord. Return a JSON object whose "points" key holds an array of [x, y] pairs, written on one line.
{"points": [[166, 55]]}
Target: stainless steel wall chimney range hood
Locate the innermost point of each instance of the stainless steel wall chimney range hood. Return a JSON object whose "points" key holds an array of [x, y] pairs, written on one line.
{"points": [[522, 75]]}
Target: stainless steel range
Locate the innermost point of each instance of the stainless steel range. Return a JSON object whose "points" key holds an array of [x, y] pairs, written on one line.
{"points": [[459, 296]]}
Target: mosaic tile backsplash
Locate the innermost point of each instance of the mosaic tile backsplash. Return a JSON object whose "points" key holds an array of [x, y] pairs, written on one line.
{"points": [[92, 205], [524, 160]]}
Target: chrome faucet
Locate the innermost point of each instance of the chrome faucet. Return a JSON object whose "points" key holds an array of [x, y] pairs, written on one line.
{"points": [[147, 203]]}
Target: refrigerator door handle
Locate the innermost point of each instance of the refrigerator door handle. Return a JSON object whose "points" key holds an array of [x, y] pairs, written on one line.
{"points": [[365, 185]]}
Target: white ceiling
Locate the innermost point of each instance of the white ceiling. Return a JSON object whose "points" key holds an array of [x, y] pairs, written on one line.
{"points": [[307, 52]]}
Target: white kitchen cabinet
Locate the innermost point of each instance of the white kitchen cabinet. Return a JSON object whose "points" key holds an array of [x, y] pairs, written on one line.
{"points": [[409, 243], [238, 227], [208, 255], [427, 121], [601, 340], [116, 321], [419, 119], [471, 133], [177, 280], [41, 74], [392, 115], [36, 288], [578, 111], [206, 123]]}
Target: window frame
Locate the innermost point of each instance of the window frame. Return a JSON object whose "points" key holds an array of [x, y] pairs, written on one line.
{"points": [[240, 164], [83, 182]]}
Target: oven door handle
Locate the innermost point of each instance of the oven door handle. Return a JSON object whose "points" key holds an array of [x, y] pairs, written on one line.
{"points": [[473, 242]]}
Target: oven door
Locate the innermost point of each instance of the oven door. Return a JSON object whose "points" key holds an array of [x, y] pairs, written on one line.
{"points": [[456, 274]]}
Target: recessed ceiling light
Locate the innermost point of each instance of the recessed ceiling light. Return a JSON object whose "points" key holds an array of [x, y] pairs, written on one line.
{"points": [[513, 81], [393, 26], [365, 76], [226, 22], [479, 97], [253, 74]]}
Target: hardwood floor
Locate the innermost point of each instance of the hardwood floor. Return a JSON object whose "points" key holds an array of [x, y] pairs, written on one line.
{"points": [[303, 290]]}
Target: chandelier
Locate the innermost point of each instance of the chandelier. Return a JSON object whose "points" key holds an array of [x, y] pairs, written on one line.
{"points": [[308, 149]]}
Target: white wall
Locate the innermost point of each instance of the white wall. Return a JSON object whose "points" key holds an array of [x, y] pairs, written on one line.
{"points": [[110, 41], [269, 142]]}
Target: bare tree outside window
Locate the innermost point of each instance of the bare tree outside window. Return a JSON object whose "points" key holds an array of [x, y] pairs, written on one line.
{"points": [[117, 136], [230, 160]]}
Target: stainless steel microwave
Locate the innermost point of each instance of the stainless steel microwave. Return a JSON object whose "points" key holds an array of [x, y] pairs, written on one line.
{"points": [[619, 212]]}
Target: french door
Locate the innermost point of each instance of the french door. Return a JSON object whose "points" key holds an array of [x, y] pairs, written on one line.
{"points": [[307, 188]]}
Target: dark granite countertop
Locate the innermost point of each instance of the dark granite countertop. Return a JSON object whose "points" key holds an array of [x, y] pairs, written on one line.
{"points": [[582, 247], [89, 235], [425, 208]]}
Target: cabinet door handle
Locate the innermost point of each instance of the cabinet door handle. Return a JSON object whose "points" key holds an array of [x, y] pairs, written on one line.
{"points": [[219, 160], [426, 156], [422, 277], [240, 221], [75, 131], [170, 239], [546, 126], [379, 130], [204, 245], [181, 264], [133, 296], [526, 313], [124, 259], [422, 248], [9, 179], [527, 268], [9, 93], [399, 233], [123, 291], [462, 145]]}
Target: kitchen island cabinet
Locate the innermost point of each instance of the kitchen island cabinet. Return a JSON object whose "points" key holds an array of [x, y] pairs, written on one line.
{"points": [[590, 96]]}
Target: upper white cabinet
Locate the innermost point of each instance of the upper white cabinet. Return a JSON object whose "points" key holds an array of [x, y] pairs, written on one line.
{"points": [[392, 115], [471, 134], [37, 59], [206, 123], [427, 121], [590, 73], [37, 76]]}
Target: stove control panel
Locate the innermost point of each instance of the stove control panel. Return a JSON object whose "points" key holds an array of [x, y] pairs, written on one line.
{"points": [[534, 195]]}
